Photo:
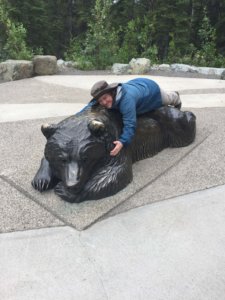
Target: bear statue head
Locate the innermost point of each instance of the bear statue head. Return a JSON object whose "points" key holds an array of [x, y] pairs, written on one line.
{"points": [[75, 148]]}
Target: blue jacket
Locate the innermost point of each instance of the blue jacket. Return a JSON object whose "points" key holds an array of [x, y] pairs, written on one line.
{"points": [[136, 97], [133, 98]]}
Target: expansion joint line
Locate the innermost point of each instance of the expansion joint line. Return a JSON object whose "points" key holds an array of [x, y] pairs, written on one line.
{"points": [[150, 182], [31, 197]]}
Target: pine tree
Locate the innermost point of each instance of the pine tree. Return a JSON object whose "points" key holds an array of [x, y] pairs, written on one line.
{"points": [[216, 14], [101, 44], [13, 43]]}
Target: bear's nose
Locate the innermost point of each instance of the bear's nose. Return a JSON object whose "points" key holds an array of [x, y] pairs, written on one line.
{"points": [[72, 175]]}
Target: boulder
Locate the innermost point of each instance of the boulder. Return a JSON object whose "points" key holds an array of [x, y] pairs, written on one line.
{"points": [[140, 65], [211, 72], [61, 64], [15, 69], [216, 72], [164, 67], [71, 64], [223, 75], [45, 64], [183, 68], [120, 69]]}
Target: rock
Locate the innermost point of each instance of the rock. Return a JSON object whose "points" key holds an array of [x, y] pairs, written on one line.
{"points": [[120, 69], [45, 64], [164, 67], [223, 75], [155, 67], [71, 64], [216, 72], [140, 65], [60, 62], [183, 68], [211, 72], [61, 65], [15, 69]]}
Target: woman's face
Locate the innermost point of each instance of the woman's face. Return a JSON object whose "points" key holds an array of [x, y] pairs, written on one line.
{"points": [[106, 100]]}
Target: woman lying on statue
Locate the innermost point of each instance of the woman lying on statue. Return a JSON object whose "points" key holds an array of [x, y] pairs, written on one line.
{"points": [[132, 98]]}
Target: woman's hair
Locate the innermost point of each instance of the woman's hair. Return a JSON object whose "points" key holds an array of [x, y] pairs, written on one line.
{"points": [[113, 93]]}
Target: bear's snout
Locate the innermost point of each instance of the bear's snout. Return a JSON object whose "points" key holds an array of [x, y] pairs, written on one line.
{"points": [[72, 175]]}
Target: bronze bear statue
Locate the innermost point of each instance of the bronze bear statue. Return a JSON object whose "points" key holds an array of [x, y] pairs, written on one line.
{"points": [[77, 163]]}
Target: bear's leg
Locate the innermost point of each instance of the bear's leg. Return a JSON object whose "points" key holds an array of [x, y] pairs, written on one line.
{"points": [[66, 193], [110, 179], [179, 126], [44, 178]]}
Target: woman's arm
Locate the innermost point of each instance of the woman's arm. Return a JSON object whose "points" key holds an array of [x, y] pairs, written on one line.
{"points": [[128, 110]]}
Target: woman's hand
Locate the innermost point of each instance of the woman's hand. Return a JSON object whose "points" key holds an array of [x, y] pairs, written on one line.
{"points": [[117, 148]]}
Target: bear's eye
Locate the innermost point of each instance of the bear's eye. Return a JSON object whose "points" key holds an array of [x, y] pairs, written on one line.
{"points": [[84, 158], [63, 159]]}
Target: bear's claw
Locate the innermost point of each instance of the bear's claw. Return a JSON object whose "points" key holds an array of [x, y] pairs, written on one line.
{"points": [[41, 184]]}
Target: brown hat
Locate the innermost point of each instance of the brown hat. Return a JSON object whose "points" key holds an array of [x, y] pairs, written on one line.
{"points": [[102, 87]]}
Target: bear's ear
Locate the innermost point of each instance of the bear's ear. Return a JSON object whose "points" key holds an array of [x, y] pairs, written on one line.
{"points": [[48, 129], [96, 127]]}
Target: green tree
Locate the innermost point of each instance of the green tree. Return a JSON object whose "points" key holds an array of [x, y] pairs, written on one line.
{"points": [[51, 24], [171, 28], [16, 46], [207, 55], [138, 41], [106, 31], [3, 36], [100, 47], [38, 21], [13, 43], [179, 32], [216, 14], [196, 14], [101, 43], [164, 22]]}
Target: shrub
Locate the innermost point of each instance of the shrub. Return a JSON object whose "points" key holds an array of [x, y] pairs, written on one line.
{"points": [[13, 41], [99, 48], [15, 46]]}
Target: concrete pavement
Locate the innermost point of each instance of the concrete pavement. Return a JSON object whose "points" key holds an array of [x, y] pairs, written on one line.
{"points": [[172, 247], [167, 250]]}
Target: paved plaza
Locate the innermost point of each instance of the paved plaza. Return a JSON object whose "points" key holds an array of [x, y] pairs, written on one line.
{"points": [[162, 237]]}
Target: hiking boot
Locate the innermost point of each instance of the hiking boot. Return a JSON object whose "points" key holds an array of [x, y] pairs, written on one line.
{"points": [[178, 106]]}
